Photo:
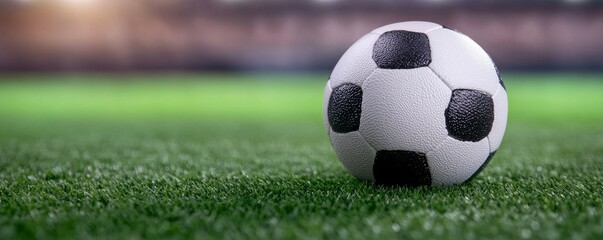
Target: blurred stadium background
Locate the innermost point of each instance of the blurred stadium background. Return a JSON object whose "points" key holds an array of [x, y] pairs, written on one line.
{"points": [[201, 119], [267, 35]]}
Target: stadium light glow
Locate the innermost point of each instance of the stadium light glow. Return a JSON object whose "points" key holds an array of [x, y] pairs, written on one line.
{"points": [[76, 2], [64, 2]]}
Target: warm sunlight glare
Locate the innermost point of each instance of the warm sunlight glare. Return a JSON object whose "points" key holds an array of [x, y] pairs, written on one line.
{"points": [[76, 2], [65, 2]]}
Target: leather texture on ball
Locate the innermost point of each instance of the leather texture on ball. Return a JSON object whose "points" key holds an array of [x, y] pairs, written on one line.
{"points": [[460, 62], [358, 154], [345, 105], [402, 50], [402, 137], [404, 110], [356, 64], [500, 119], [455, 161], [469, 115], [490, 156]]}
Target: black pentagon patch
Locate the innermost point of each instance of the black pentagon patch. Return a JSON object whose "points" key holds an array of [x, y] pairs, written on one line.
{"points": [[490, 156], [401, 168], [402, 50], [345, 105], [469, 115]]}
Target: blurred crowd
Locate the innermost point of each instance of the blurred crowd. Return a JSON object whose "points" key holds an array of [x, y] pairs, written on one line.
{"points": [[117, 35]]}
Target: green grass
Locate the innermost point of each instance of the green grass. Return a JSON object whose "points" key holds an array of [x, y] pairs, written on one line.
{"points": [[246, 156]]}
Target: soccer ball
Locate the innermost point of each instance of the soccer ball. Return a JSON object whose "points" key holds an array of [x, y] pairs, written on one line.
{"points": [[413, 104]]}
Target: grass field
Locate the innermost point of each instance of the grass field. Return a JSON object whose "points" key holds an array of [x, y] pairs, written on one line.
{"points": [[246, 156]]}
